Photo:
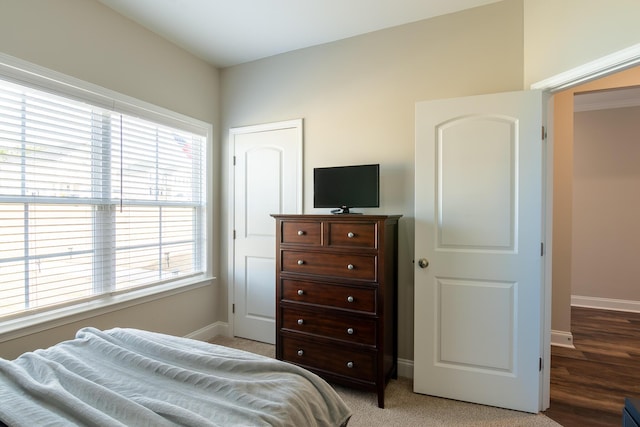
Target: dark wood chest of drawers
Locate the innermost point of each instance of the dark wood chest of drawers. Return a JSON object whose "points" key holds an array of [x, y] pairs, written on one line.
{"points": [[336, 296]]}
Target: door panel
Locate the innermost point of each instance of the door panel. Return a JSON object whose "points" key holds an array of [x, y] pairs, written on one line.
{"points": [[476, 340], [267, 180], [476, 183], [478, 217]]}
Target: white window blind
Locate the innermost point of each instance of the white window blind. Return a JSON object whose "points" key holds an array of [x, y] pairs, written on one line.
{"points": [[93, 201]]}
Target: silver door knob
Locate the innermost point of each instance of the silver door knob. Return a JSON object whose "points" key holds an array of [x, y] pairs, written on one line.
{"points": [[300, 292], [300, 233], [350, 299], [300, 321], [349, 365], [300, 262], [350, 267], [350, 235], [423, 263], [350, 331], [300, 352]]}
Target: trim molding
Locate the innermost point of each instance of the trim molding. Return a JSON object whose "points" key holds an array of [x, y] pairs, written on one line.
{"points": [[405, 368], [210, 331], [620, 98], [562, 339], [605, 303], [617, 61]]}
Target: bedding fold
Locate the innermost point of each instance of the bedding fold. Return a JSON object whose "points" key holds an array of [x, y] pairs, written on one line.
{"points": [[129, 377]]}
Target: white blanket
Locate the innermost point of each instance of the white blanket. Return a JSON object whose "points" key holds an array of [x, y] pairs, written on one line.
{"points": [[127, 377]]}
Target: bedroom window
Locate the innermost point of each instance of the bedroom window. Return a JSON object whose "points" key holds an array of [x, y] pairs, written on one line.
{"points": [[93, 201]]}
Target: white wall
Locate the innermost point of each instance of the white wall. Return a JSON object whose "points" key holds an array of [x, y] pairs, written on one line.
{"points": [[606, 204], [89, 41]]}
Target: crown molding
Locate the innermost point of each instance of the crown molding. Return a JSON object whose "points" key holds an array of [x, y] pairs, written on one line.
{"points": [[607, 99]]}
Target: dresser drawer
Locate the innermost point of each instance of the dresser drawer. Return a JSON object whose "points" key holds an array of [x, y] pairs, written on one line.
{"points": [[348, 266], [330, 325], [302, 232], [352, 235], [330, 295], [332, 359]]}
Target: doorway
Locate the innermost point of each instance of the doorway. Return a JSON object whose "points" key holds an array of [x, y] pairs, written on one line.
{"points": [[606, 178], [563, 188], [558, 237]]}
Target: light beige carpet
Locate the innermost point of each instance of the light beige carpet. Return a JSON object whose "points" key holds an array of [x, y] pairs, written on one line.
{"points": [[405, 408]]}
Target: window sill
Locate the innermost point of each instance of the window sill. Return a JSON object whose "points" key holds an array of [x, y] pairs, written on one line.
{"points": [[34, 323]]}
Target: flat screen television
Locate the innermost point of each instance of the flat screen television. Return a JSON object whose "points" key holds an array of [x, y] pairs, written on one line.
{"points": [[346, 187]]}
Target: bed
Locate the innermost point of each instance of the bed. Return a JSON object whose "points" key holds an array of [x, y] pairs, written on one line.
{"points": [[129, 377]]}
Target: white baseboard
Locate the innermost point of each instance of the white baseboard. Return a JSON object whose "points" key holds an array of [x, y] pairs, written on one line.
{"points": [[210, 331], [605, 303], [562, 339], [405, 368]]}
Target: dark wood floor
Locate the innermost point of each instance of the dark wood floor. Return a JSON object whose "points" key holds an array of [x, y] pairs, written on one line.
{"points": [[589, 383]]}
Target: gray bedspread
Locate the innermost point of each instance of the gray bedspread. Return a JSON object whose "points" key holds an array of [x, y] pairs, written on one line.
{"points": [[130, 377]]}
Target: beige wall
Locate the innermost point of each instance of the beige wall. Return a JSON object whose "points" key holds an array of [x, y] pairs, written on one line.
{"points": [[606, 206], [88, 41], [563, 34], [357, 97]]}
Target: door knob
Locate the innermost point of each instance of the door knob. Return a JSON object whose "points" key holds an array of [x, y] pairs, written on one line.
{"points": [[423, 263]]}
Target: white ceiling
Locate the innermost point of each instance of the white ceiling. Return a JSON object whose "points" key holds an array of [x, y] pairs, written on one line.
{"points": [[229, 32]]}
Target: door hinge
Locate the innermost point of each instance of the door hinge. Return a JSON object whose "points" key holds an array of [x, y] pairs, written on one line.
{"points": [[544, 133], [234, 160], [234, 234], [540, 365], [233, 309], [541, 248]]}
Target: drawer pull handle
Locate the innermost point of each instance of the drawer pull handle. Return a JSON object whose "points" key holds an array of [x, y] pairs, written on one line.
{"points": [[301, 233], [349, 365], [300, 352], [300, 292], [350, 299], [351, 235], [350, 331], [300, 321], [300, 262], [351, 266]]}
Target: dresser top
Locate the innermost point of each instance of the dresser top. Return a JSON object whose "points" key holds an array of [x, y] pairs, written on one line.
{"points": [[346, 217]]}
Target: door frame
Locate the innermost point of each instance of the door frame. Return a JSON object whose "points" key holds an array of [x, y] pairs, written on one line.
{"points": [[286, 124], [609, 64]]}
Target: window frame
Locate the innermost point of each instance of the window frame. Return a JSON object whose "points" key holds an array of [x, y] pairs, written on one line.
{"points": [[28, 74]]}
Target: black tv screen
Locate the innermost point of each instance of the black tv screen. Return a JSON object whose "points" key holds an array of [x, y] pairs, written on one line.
{"points": [[346, 187]]}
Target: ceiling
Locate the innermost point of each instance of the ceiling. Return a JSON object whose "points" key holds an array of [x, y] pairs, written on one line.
{"points": [[230, 32]]}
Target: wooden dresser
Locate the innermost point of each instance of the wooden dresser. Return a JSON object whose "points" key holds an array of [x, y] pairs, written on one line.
{"points": [[336, 297]]}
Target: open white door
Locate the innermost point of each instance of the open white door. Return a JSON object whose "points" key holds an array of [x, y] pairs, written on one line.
{"points": [[267, 179], [479, 224]]}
